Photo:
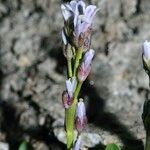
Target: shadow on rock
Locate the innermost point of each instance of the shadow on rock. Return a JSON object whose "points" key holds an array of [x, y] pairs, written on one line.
{"points": [[98, 116], [16, 133]]}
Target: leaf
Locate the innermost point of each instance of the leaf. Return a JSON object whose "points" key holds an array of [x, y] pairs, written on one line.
{"points": [[112, 147], [23, 146]]}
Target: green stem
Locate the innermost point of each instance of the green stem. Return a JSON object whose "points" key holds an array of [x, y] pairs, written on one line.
{"points": [[147, 144], [69, 68], [77, 61], [70, 118]]}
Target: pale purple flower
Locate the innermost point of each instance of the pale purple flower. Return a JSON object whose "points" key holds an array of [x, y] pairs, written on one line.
{"points": [[71, 86], [146, 50], [66, 100], [78, 22], [85, 67], [89, 56], [84, 19], [77, 145], [81, 119]]}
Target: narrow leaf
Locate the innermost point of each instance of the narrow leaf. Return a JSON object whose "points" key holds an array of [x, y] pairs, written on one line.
{"points": [[112, 147]]}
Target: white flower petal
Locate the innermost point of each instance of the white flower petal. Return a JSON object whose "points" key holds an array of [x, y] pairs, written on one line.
{"points": [[81, 111], [146, 50], [64, 37], [66, 12], [73, 5], [89, 56], [90, 12], [71, 86]]}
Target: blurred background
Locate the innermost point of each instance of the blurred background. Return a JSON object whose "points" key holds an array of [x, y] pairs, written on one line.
{"points": [[33, 74]]}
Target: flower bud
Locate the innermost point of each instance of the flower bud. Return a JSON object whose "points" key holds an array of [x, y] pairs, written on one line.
{"points": [[77, 144], [81, 119], [68, 52], [71, 86], [146, 56], [85, 67], [67, 101]]}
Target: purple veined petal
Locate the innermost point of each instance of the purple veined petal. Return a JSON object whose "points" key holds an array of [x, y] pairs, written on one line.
{"points": [[81, 119], [77, 145], [83, 71], [90, 12], [68, 6], [146, 49], [66, 12], [64, 37], [76, 13], [81, 111], [84, 26], [78, 28], [73, 5], [71, 85], [89, 56], [75, 20]]}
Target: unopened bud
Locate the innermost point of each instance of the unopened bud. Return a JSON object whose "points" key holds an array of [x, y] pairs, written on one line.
{"points": [[146, 56], [85, 67], [71, 86], [66, 99], [81, 119]]}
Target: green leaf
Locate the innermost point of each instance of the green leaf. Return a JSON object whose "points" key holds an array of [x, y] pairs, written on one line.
{"points": [[23, 146], [112, 147]]}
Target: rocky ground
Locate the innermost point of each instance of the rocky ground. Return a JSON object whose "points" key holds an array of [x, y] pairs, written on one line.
{"points": [[32, 74]]}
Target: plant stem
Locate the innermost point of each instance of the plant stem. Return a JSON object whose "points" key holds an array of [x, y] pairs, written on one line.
{"points": [[77, 61], [147, 144], [70, 118], [69, 68]]}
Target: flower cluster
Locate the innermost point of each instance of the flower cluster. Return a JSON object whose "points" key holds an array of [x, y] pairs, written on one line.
{"points": [[78, 24], [76, 36]]}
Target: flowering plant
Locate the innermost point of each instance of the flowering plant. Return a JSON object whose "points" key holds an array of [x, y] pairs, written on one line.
{"points": [[76, 36], [146, 108]]}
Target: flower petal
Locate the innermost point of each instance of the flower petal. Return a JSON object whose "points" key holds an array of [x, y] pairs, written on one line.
{"points": [[146, 50], [89, 56], [66, 12], [64, 37], [73, 5], [90, 12]]}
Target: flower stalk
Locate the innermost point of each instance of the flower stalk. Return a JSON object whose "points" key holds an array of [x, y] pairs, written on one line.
{"points": [[70, 117]]}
